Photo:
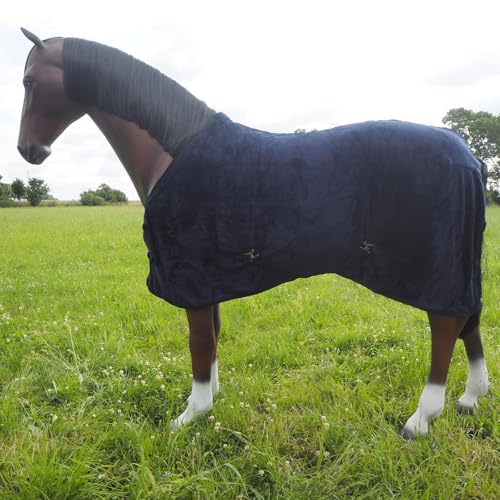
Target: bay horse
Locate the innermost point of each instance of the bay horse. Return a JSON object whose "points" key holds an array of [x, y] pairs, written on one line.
{"points": [[231, 211]]}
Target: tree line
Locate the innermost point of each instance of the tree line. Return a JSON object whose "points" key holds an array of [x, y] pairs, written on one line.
{"points": [[37, 190], [34, 192]]}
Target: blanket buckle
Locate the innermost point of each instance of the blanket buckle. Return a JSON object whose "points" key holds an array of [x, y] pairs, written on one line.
{"points": [[252, 255], [367, 247]]}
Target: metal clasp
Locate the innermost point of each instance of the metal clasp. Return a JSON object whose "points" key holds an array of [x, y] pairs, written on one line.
{"points": [[367, 247], [252, 255]]}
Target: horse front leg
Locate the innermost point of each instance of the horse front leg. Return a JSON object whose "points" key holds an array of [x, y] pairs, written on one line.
{"points": [[202, 345], [444, 332], [477, 379]]}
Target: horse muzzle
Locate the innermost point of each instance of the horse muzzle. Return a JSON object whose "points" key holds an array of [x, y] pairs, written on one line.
{"points": [[34, 153]]}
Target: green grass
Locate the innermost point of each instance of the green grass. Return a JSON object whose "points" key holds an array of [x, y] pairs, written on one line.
{"points": [[317, 378]]}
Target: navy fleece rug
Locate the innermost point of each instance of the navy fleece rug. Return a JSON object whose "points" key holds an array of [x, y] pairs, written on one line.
{"points": [[395, 206]]}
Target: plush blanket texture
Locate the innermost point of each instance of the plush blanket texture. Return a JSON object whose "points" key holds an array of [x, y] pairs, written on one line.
{"points": [[395, 206]]}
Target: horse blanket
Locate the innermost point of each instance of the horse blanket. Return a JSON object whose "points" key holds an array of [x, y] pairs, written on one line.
{"points": [[395, 206]]}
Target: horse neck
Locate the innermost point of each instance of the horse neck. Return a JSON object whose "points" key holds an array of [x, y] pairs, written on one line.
{"points": [[146, 116], [110, 80], [143, 157]]}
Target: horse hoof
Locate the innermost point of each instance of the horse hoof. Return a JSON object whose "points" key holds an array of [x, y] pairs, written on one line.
{"points": [[465, 409], [188, 415], [407, 434]]}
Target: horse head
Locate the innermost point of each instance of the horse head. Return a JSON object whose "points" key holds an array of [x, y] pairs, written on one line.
{"points": [[47, 111]]}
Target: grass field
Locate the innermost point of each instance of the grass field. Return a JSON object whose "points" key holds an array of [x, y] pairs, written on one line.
{"points": [[317, 378]]}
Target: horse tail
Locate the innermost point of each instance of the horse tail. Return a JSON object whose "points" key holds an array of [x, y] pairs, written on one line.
{"points": [[473, 320]]}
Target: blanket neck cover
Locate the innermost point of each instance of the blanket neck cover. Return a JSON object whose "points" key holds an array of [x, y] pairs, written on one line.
{"points": [[394, 206], [120, 84]]}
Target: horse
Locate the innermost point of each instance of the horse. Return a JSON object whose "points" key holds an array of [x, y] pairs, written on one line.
{"points": [[231, 211]]}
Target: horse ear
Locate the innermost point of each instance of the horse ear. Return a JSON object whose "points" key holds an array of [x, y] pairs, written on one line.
{"points": [[31, 36]]}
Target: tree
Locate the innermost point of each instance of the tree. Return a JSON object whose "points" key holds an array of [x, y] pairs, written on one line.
{"points": [[482, 132], [4, 190], [18, 189], [119, 196], [90, 198], [111, 195], [36, 191], [304, 131], [102, 195], [105, 192]]}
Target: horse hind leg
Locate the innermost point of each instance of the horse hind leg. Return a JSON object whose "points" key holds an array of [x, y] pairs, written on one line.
{"points": [[477, 379], [444, 331]]}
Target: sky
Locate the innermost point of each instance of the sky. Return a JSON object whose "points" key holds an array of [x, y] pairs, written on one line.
{"points": [[274, 65]]}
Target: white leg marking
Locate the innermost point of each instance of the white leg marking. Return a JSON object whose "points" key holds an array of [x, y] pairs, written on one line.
{"points": [[214, 378], [200, 402], [477, 385], [430, 406]]}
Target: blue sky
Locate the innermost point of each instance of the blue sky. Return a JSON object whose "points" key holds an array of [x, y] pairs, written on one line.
{"points": [[274, 65]]}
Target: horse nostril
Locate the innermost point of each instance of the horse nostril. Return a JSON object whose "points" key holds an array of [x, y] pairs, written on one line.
{"points": [[22, 149]]}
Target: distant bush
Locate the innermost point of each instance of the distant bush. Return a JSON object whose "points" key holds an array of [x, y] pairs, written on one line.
{"points": [[4, 191], [5, 203], [493, 197], [496, 197], [44, 203], [90, 198], [103, 195], [69, 203], [49, 203], [111, 195]]}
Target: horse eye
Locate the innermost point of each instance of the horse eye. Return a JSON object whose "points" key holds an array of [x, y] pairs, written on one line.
{"points": [[27, 82]]}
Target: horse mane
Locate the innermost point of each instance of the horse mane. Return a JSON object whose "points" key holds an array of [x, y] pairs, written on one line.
{"points": [[115, 82]]}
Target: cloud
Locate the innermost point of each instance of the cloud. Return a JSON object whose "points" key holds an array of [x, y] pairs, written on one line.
{"points": [[13, 50], [491, 105], [471, 72], [82, 159]]}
